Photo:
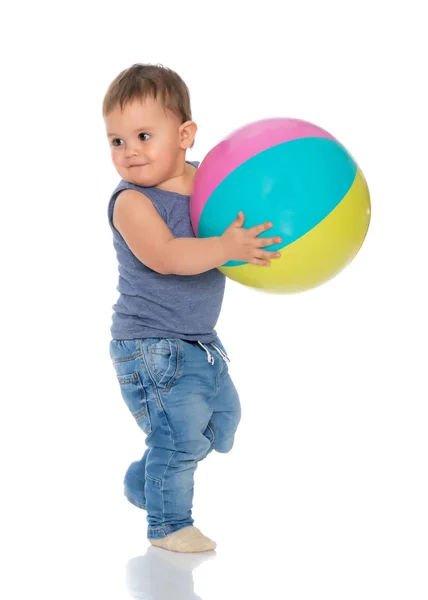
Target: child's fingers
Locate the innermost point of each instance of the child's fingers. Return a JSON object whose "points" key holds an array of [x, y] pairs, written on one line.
{"points": [[262, 242], [258, 229]]}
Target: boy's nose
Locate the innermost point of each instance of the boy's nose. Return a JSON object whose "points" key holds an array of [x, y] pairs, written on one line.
{"points": [[130, 152]]}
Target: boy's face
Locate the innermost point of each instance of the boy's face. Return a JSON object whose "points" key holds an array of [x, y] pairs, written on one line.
{"points": [[146, 142]]}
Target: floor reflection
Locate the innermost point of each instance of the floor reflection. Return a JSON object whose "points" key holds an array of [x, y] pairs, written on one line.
{"points": [[164, 575]]}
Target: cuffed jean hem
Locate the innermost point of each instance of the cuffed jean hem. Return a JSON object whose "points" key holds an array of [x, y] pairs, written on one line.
{"points": [[156, 533]]}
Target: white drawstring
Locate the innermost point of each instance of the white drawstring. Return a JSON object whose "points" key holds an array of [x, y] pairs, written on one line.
{"points": [[222, 354], [210, 357]]}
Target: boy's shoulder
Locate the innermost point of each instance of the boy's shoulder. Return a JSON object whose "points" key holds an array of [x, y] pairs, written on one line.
{"points": [[126, 185]]}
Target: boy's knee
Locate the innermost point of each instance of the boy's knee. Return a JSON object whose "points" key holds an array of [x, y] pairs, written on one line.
{"points": [[196, 449]]}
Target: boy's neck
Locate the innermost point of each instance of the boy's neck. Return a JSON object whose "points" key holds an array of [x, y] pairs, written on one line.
{"points": [[181, 184]]}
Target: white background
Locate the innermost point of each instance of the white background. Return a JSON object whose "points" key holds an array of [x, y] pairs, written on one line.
{"points": [[325, 494]]}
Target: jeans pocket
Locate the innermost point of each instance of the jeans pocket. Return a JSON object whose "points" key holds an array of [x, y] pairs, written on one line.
{"points": [[134, 394], [164, 361]]}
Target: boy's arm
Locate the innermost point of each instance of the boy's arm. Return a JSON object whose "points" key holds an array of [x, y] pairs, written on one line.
{"points": [[153, 243]]}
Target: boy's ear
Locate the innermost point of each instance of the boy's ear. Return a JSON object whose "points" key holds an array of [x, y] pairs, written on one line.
{"points": [[187, 134]]}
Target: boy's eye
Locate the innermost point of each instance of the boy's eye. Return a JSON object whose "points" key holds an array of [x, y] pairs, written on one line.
{"points": [[117, 142], [144, 137]]}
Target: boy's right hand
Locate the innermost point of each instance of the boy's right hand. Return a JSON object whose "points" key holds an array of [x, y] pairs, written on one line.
{"points": [[243, 244]]}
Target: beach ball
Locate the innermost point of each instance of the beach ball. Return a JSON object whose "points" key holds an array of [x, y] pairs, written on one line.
{"points": [[297, 176]]}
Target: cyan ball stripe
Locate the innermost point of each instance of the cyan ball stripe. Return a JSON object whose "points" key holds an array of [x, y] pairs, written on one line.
{"points": [[295, 185]]}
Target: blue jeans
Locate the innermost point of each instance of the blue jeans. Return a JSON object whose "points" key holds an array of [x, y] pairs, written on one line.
{"points": [[182, 397]]}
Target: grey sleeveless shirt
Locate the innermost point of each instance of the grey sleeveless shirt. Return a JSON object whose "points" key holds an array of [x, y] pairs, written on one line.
{"points": [[151, 305]]}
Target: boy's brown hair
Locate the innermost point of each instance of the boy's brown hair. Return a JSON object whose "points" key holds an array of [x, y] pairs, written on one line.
{"points": [[144, 80]]}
